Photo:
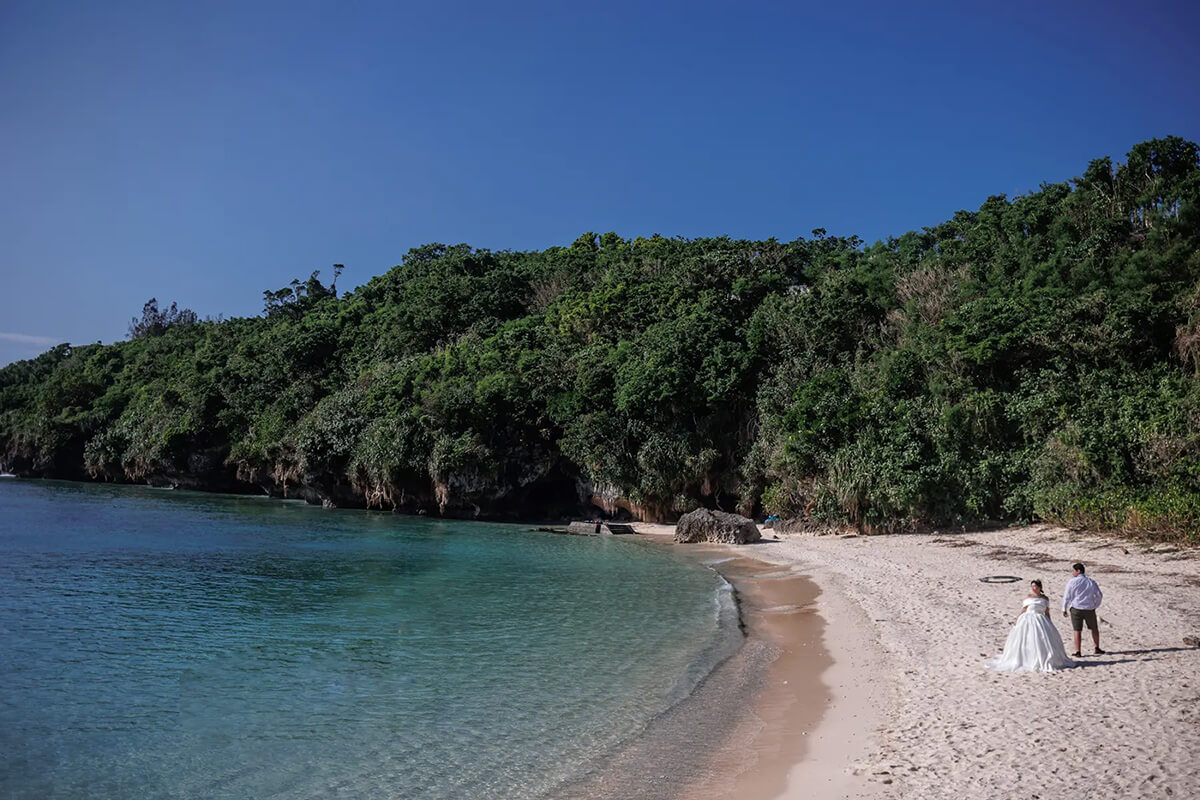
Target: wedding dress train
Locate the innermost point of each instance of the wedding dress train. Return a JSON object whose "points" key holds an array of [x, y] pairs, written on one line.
{"points": [[1034, 644]]}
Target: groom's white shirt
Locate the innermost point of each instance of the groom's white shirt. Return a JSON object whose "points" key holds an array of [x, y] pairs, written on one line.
{"points": [[1082, 592]]}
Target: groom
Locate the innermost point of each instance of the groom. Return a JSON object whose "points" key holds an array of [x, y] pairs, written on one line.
{"points": [[1082, 597]]}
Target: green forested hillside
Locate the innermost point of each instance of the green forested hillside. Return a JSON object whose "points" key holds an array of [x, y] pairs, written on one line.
{"points": [[1036, 358]]}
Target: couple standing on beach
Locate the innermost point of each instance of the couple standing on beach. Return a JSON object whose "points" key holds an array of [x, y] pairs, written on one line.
{"points": [[1034, 643]]}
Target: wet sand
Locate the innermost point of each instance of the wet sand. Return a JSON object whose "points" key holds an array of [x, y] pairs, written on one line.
{"points": [[769, 736], [818, 701], [758, 727]]}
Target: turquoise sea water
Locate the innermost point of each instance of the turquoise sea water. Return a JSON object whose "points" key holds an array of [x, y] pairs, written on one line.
{"points": [[180, 645]]}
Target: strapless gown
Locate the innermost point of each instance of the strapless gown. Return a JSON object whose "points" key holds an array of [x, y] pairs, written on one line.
{"points": [[1034, 644]]}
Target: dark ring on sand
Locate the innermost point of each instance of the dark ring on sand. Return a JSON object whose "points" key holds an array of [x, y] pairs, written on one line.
{"points": [[1000, 579]]}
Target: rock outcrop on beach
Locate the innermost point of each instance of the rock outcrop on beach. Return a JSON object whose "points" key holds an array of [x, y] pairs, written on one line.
{"points": [[703, 525]]}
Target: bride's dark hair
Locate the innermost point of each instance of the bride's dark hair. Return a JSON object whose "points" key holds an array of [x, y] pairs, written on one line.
{"points": [[1038, 584]]}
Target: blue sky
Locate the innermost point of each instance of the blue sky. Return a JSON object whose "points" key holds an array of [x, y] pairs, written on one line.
{"points": [[203, 152]]}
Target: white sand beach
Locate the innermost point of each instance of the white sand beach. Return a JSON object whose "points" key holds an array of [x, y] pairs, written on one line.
{"points": [[909, 711]]}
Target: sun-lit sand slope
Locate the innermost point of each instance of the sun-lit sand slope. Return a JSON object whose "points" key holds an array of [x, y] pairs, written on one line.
{"points": [[1126, 724]]}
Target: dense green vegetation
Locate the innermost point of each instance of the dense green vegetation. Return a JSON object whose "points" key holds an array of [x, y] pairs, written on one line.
{"points": [[1037, 358]]}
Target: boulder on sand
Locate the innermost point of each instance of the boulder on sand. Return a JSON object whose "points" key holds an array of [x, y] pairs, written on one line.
{"points": [[703, 525]]}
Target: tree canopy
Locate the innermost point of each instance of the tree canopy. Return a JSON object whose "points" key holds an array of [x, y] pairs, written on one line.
{"points": [[1038, 358]]}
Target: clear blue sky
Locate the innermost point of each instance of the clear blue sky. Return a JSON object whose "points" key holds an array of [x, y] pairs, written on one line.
{"points": [[202, 152]]}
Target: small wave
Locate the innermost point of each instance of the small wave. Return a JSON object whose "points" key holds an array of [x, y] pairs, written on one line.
{"points": [[724, 603], [724, 641], [715, 561], [714, 687], [7, 475]]}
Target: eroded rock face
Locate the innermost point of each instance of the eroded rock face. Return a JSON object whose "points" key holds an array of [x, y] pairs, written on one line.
{"points": [[609, 498], [703, 525]]}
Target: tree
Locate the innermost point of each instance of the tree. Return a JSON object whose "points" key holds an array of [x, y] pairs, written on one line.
{"points": [[298, 296], [155, 322]]}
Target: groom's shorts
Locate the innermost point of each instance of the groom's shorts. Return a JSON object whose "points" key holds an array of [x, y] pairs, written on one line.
{"points": [[1082, 615]]}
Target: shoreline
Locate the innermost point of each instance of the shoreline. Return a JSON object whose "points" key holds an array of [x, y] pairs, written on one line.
{"points": [[706, 746], [812, 717]]}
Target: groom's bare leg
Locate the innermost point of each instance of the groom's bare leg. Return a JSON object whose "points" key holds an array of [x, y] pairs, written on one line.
{"points": [[1095, 638], [1078, 640]]}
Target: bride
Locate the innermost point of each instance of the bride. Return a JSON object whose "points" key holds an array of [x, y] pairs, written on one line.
{"points": [[1033, 643]]}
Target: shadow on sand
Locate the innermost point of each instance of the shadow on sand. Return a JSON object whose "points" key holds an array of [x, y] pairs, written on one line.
{"points": [[1152, 650], [1107, 660]]}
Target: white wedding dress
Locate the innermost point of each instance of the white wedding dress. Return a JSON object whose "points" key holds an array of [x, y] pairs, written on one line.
{"points": [[1034, 644]]}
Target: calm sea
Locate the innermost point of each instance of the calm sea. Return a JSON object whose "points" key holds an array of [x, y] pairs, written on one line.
{"points": [[179, 645]]}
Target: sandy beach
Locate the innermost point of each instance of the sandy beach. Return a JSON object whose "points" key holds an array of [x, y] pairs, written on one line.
{"points": [[894, 630]]}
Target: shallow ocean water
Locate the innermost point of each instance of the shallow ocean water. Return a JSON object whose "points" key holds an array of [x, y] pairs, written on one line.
{"points": [[175, 644]]}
